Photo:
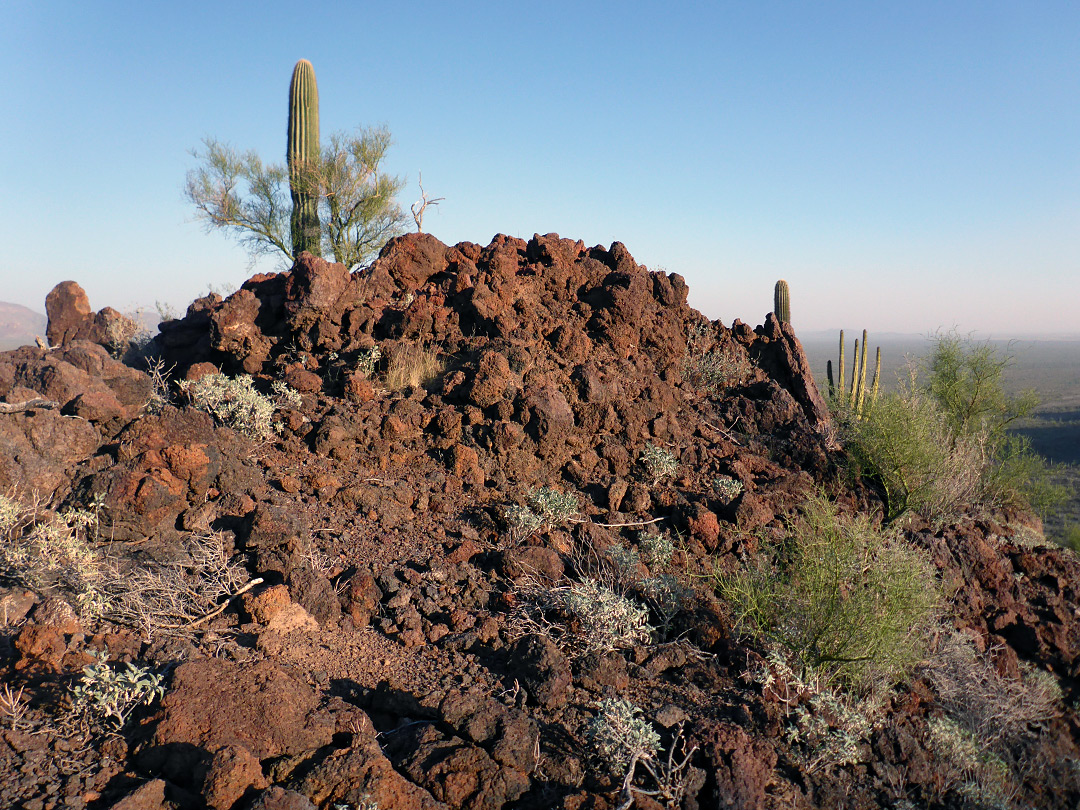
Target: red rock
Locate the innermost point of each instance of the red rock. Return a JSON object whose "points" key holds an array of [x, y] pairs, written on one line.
{"points": [[231, 773], [69, 313]]}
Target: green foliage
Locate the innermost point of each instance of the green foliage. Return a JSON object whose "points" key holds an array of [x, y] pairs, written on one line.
{"points": [[727, 488], [1071, 538], [234, 402], [905, 441], [848, 602], [301, 155], [547, 507], [619, 736], [112, 694], [966, 379], [367, 360], [605, 620], [782, 301], [53, 553], [356, 201], [658, 462], [940, 442], [656, 549]]}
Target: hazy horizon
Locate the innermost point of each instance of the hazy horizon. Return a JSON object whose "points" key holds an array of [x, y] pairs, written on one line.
{"points": [[907, 167]]}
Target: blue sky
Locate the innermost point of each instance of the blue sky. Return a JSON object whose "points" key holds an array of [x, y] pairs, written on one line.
{"points": [[905, 166]]}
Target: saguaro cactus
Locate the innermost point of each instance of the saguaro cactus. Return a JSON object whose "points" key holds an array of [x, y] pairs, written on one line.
{"points": [[782, 302], [302, 154]]}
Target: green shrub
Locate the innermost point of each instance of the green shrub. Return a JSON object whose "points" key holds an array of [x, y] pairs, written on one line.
{"points": [[658, 462], [905, 441], [656, 549], [619, 736], [112, 694], [52, 553], [846, 601], [605, 620], [940, 442], [234, 402], [547, 507], [965, 378]]}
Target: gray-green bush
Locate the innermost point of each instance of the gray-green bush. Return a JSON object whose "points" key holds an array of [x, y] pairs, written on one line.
{"points": [[847, 601], [940, 442]]}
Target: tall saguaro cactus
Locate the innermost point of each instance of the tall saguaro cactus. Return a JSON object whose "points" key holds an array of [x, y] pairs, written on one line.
{"points": [[302, 154], [782, 301]]}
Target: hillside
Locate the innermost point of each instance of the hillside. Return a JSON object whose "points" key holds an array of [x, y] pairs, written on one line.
{"points": [[19, 326], [465, 542]]}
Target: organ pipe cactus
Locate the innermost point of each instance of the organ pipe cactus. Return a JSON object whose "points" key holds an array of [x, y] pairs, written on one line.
{"points": [[302, 156], [782, 302], [854, 398]]}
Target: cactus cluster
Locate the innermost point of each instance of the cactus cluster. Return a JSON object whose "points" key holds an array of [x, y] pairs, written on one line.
{"points": [[782, 301], [854, 398], [302, 154]]}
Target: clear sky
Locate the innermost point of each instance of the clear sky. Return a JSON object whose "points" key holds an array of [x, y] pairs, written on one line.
{"points": [[904, 165]]}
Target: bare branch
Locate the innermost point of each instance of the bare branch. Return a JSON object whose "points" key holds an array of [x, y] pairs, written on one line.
{"points": [[423, 203]]}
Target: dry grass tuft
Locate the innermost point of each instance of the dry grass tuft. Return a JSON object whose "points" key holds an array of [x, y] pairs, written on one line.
{"points": [[412, 365]]}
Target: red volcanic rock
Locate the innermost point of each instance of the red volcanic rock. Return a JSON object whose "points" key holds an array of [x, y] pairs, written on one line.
{"points": [[69, 313], [213, 704]]}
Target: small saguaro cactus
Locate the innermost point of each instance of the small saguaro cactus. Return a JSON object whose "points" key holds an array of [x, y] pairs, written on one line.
{"points": [[301, 155], [782, 302], [854, 398]]}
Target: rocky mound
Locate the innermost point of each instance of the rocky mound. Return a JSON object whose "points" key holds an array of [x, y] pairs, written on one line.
{"points": [[385, 656]]}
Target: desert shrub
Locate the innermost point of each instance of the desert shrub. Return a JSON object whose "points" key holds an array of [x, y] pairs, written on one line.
{"points": [[966, 378], [940, 442], [111, 694], [411, 365], [659, 463], [580, 617], [52, 553], [655, 549], [1071, 537], [367, 360], [994, 708], [667, 596], [124, 333], [607, 620], [824, 726], [905, 441], [234, 402], [847, 601], [988, 739], [624, 563], [547, 507], [727, 488], [619, 736], [163, 599], [966, 765], [714, 369]]}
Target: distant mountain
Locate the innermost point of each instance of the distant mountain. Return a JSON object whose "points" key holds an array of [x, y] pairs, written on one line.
{"points": [[19, 325]]}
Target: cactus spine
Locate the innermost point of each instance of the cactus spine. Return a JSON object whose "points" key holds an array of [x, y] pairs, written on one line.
{"points": [[302, 154], [782, 301]]}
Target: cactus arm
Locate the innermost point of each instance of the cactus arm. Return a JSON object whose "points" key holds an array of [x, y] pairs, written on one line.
{"points": [[854, 392], [843, 370], [877, 378]]}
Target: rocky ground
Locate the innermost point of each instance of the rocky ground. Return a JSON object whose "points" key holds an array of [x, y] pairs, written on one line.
{"points": [[351, 608]]}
